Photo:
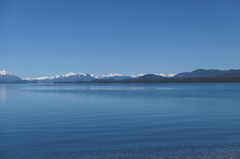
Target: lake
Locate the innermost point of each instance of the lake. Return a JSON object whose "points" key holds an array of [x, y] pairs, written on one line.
{"points": [[120, 121]]}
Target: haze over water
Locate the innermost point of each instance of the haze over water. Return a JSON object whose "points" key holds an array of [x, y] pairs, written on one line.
{"points": [[120, 121]]}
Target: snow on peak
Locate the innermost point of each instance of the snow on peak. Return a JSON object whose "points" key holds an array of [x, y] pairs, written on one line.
{"points": [[113, 74], [74, 74], [165, 75], [136, 76], [92, 75], [57, 76], [109, 75], [69, 74], [4, 72]]}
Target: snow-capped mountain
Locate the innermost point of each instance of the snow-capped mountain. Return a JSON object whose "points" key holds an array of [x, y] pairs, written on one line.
{"points": [[137, 76], [75, 77], [114, 76], [110, 75], [69, 77], [117, 76], [166, 75], [8, 76], [233, 75]]}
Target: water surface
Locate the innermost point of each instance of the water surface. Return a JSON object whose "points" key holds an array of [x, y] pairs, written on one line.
{"points": [[151, 121]]}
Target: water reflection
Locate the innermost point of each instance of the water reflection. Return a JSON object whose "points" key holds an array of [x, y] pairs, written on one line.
{"points": [[3, 94], [99, 87]]}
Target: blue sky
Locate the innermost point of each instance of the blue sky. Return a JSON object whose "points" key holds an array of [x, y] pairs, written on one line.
{"points": [[42, 37]]}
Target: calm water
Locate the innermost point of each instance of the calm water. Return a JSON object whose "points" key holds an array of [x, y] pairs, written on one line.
{"points": [[151, 121]]}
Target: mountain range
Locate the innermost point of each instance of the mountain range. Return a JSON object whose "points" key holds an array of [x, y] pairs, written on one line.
{"points": [[83, 77], [8, 76], [200, 75]]}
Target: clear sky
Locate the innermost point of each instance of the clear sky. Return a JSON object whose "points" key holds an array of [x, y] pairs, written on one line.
{"points": [[49, 37]]}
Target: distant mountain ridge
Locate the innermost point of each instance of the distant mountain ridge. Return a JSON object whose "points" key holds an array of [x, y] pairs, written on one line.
{"points": [[199, 75], [84, 77], [69, 77], [8, 76]]}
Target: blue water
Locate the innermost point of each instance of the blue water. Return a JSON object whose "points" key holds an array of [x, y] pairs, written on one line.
{"points": [[118, 121]]}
